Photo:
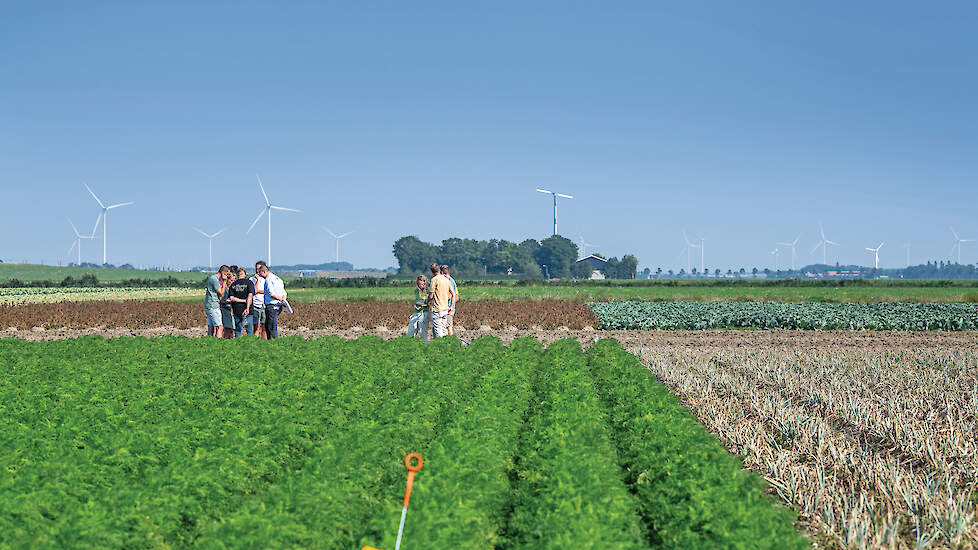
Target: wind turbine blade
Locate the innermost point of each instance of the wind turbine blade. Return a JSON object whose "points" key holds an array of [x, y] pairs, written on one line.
{"points": [[821, 230], [93, 195], [796, 240], [953, 232], [326, 229], [565, 196], [260, 214], [202, 233], [282, 208], [967, 240], [98, 220], [871, 249], [785, 244], [832, 243], [219, 232], [262, 187], [73, 245], [77, 234], [118, 205], [345, 234], [881, 245], [545, 191], [816, 247]]}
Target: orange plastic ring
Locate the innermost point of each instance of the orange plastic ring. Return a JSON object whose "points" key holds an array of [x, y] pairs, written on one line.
{"points": [[407, 462]]}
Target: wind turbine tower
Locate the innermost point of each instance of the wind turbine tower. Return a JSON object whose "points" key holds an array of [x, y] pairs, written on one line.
{"points": [[957, 243], [907, 246], [792, 245], [777, 255], [688, 250], [79, 237], [876, 254], [268, 210], [555, 195], [105, 223], [337, 237], [824, 243], [210, 245]]}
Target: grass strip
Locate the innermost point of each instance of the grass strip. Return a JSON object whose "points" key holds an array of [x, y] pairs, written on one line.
{"points": [[693, 494]]}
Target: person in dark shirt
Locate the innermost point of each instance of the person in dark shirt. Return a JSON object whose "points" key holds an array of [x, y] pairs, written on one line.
{"points": [[242, 292]]}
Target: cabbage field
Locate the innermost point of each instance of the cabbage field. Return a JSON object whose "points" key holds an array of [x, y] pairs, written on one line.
{"points": [[206, 443], [786, 315]]}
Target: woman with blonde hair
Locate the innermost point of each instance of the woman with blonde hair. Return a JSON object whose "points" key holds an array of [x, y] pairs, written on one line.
{"points": [[421, 318]]}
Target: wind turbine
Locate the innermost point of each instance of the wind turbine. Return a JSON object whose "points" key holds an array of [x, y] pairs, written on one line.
{"points": [[584, 246], [792, 245], [957, 243], [777, 255], [337, 237], [555, 203], [907, 246], [688, 250], [824, 243], [876, 253], [105, 224], [210, 245], [79, 237], [268, 210]]}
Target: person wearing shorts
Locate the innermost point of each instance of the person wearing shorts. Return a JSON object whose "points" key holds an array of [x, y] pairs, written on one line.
{"points": [[212, 301], [450, 319], [242, 292], [438, 298], [227, 315], [258, 302]]}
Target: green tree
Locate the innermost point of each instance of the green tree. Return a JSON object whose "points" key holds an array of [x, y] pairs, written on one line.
{"points": [[559, 254]]}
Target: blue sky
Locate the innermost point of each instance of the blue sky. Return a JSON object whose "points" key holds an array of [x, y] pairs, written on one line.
{"points": [[744, 122]]}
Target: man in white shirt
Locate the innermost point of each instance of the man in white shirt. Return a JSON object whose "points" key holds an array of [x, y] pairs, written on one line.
{"points": [[258, 304], [274, 299]]}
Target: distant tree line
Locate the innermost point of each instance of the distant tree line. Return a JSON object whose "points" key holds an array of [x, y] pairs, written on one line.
{"points": [[554, 257]]}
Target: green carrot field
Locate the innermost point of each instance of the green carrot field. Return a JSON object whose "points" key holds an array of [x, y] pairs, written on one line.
{"points": [[203, 443]]}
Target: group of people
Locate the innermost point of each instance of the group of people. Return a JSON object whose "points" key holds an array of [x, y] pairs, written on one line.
{"points": [[434, 305], [234, 301]]}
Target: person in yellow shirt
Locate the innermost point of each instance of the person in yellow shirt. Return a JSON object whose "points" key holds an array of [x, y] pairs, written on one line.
{"points": [[440, 296]]}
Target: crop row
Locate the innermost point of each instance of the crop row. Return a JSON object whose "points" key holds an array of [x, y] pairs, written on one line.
{"points": [[775, 315], [393, 315], [79, 294], [875, 448], [179, 443], [692, 491]]}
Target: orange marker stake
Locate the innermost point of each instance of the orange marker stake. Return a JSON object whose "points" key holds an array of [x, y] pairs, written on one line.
{"points": [[412, 469]]}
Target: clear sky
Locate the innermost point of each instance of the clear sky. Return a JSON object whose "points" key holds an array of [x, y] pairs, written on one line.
{"points": [[743, 122]]}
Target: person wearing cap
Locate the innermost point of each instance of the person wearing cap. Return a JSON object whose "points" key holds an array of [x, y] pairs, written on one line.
{"points": [[214, 293]]}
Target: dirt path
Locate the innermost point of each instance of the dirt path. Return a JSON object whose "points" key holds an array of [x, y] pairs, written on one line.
{"points": [[705, 340]]}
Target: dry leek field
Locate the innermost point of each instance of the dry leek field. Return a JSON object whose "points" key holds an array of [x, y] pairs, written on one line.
{"points": [[875, 447]]}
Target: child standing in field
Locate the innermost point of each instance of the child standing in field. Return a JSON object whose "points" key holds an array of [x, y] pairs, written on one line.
{"points": [[421, 318]]}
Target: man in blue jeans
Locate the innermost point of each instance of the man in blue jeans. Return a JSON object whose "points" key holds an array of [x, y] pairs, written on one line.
{"points": [[274, 299], [242, 293]]}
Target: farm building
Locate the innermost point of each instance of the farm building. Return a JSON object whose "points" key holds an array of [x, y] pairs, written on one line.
{"points": [[597, 265]]}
